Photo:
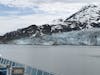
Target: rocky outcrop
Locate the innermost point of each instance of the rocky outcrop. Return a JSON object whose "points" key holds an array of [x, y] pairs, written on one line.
{"points": [[20, 33]]}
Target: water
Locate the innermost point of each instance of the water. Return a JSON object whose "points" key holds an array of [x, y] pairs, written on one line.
{"points": [[62, 60]]}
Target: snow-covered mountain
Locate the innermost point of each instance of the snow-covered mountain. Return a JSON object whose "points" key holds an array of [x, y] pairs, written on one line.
{"points": [[87, 17], [81, 27]]}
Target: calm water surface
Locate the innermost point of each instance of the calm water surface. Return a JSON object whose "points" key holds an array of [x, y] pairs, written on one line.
{"points": [[62, 60]]}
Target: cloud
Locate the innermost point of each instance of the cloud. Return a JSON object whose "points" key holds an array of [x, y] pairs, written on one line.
{"points": [[45, 6], [27, 3], [36, 7], [17, 3], [6, 11], [60, 8]]}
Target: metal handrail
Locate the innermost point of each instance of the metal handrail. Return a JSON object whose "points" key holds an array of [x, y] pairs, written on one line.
{"points": [[28, 70]]}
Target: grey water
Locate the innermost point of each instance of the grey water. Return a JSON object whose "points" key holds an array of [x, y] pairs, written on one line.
{"points": [[62, 60]]}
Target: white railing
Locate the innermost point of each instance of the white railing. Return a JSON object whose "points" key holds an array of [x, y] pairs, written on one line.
{"points": [[28, 70]]}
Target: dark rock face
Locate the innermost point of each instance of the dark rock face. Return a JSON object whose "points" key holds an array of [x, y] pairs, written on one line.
{"points": [[95, 25], [20, 33], [45, 29], [60, 28], [65, 28]]}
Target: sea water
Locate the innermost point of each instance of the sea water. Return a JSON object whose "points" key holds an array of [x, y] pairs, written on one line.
{"points": [[61, 60]]}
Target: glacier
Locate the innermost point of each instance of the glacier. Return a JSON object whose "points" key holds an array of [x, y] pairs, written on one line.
{"points": [[90, 37]]}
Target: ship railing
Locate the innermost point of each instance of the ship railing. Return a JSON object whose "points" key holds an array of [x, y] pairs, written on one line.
{"points": [[28, 69]]}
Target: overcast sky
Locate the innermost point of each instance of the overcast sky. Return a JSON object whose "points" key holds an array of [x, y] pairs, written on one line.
{"points": [[20, 13]]}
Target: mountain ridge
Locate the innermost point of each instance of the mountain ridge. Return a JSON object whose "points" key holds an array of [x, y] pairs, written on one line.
{"points": [[86, 18]]}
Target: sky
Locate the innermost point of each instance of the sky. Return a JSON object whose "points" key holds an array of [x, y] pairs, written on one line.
{"points": [[16, 14]]}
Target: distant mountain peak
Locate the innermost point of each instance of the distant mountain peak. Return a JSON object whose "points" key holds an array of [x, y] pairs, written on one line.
{"points": [[89, 15], [86, 10]]}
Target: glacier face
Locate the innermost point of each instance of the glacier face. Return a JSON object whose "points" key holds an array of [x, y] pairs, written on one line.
{"points": [[88, 37]]}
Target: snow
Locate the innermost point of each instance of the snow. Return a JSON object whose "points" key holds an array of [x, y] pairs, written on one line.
{"points": [[87, 14], [56, 27], [87, 37]]}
